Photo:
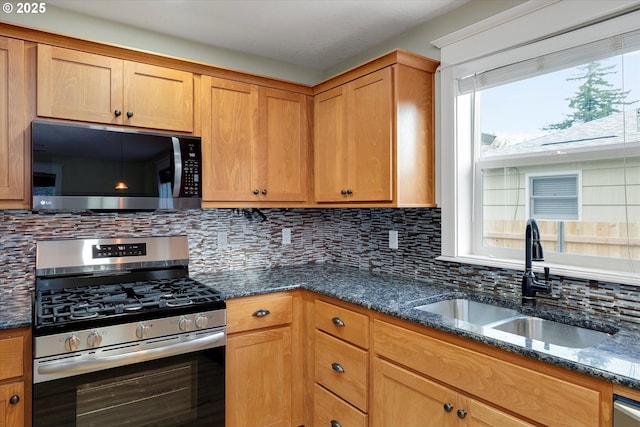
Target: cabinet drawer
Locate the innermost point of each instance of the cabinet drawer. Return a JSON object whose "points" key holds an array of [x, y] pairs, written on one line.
{"points": [[244, 314], [11, 357], [328, 407], [342, 368], [536, 395], [342, 323]]}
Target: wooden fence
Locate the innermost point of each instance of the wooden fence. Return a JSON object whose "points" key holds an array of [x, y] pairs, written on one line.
{"points": [[606, 239]]}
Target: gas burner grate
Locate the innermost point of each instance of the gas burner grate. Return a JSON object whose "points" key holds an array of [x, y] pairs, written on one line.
{"points": [[58, 306]]}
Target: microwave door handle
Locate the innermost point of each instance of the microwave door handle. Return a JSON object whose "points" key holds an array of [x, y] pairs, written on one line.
{"points": [[177, 169]]}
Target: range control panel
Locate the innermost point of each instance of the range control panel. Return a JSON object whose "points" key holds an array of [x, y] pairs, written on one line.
{"points": [[119, 250]]}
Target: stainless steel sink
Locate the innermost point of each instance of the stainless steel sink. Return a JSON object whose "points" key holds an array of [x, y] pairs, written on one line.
{"points": [[551, 332], [468, 310]]}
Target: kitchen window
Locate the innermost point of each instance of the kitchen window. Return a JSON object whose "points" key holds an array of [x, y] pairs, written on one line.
{"points": [[549, 129]]}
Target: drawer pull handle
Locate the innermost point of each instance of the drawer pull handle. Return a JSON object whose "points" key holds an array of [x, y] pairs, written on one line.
{"points": [[261, 313], [462, 413], [334, 423], [337, 367], [337, 321], [14, 399], [448, 407]]}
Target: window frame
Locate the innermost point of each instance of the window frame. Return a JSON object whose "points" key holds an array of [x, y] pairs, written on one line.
{"points": [[498, 41]]}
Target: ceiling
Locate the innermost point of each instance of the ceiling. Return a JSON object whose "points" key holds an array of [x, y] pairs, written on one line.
{"points": [[316, 34]]}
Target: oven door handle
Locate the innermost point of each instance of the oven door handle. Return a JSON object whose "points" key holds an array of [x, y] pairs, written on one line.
{"points": [[82, 366]]}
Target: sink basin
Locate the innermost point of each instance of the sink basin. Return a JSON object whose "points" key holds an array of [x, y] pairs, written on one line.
{"points": [[551, 332], [468, 310]]}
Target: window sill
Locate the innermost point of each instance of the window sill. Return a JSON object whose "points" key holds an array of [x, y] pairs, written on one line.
{"points": [[556, 269]]}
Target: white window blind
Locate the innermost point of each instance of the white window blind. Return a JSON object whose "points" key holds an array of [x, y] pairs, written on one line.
{"points": [[554, 197], [563, 59]]}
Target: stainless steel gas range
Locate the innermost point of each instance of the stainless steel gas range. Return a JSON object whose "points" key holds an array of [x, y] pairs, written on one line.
{"points": [[123, 336]]}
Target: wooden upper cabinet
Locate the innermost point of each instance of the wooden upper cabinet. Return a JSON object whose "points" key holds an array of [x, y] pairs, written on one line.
{"points": [[283, 146], [370, 139], [255, 143], [157, 97], [13, 158], [229, 128], [84, 86], [330, 145], [374, 134]]}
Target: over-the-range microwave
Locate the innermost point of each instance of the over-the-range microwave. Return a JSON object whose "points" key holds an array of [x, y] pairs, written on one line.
{"points": [[100, 168]]}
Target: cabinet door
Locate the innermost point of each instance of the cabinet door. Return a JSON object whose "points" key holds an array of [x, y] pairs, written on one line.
{"points": [[283, 146], [481, 415], [402, 398], [259, 379], [78, 85], [370, 128], [330, 145], [12, 109], [229, 129], [157, 97], [12, 414]]}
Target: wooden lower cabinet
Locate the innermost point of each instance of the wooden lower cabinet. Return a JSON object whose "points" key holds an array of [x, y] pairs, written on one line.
{"points": [[15, 377], [263, 368], [12, 405], [259, 379], [422, 367], [404, 398], [331, 411]]}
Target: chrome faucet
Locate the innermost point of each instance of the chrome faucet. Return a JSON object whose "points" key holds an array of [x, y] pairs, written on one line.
{"points": [[533, 252]]}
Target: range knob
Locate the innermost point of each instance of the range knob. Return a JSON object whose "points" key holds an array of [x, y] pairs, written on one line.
{"points": [[94, 339], [142, 331], [201, 321], [72, 342], [184, 324]]}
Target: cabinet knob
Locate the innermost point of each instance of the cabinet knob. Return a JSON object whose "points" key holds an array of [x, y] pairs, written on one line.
{"points": [[117, 113], [261, 313], [461, 413], [337, 367], [14, 399], [129, 114], [264, 191], [448, 407], [343, 192], [349, 192], [256, 191], [335, 423], [337, 321]]}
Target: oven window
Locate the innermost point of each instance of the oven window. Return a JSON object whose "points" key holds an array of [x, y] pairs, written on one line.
{"points": [[180, 391], [160, 397]]}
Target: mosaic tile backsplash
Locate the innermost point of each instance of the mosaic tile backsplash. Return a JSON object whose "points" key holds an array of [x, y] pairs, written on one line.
{"points": [[353, 237]]}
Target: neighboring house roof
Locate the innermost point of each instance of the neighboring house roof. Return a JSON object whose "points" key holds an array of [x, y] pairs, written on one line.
{"points": [[617, 128]]}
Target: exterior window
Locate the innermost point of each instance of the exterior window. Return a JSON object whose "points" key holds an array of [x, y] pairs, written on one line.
{"points": [[555, 136], [554, 197]]}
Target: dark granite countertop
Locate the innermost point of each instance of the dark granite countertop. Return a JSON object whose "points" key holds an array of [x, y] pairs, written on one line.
{"points": [[616, 359], [15, 309]]}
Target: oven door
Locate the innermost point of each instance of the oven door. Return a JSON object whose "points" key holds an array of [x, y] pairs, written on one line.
{"points": [[184, 390]]}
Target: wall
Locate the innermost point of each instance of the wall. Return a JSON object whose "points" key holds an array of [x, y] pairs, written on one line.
{"points": [[353, 237], [67, 22]]}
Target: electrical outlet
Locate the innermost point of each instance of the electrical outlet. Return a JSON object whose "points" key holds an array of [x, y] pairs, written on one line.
{"points": [[223, 244], [393, 239], [286, 236]]}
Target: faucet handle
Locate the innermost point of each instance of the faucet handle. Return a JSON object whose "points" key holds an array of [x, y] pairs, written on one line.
{"points": [[546, 274]]}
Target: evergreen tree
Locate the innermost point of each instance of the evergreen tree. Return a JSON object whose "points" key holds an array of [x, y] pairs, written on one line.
{"points": [[594, 99]]}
